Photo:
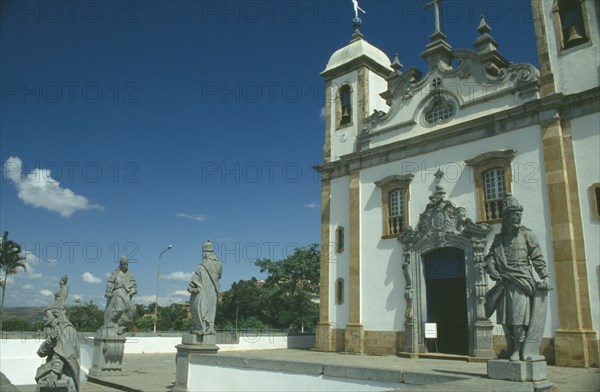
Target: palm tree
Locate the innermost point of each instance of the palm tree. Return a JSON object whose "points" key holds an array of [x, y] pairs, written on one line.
{"points": [[10, 260]]}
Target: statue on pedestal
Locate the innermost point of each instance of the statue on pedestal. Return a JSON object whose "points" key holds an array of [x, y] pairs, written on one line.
{"points": [[120, 288], [204, 290], [519, 298], [61, 348]]}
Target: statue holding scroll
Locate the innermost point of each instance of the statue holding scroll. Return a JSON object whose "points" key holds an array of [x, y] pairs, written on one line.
{"points": [[519, 298]]}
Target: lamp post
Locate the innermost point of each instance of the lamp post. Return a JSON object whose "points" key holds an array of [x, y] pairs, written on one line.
{"points": [[157, 280]]}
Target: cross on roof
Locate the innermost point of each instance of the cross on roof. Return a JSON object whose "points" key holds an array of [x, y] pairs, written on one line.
{"points": [[436, 11]]}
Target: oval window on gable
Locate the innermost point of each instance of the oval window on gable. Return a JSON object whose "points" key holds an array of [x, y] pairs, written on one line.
{"points": [[439, 111]]}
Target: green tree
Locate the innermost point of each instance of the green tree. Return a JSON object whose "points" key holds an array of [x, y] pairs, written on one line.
{"points": [[252, 323], [244, 300], [86, 317], [142, 322], [10, 261], [171, 318], [290, 287], [17, 324]]}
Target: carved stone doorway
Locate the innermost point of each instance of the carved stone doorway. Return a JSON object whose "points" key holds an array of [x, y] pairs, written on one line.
{"points": [[444, 235], [446, 298]]}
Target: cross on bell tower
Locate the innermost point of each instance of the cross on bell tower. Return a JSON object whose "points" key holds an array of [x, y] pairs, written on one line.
{"points": [[438, 53]]}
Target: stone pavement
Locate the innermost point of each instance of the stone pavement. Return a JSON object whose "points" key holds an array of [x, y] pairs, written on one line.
{"points": [[156, 372]]}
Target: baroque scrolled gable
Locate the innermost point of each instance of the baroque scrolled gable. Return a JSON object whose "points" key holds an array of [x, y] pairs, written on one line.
{"points": [[459, 86]]}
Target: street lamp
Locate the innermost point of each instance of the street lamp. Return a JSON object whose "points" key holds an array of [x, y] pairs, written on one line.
{"points": [[157, 279]]}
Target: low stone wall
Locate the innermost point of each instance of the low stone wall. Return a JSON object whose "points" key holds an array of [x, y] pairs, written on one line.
{"points": [[220, 373], [19, 361], [268, 341]]}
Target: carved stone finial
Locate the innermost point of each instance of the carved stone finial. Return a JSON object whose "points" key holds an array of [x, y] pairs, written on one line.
{"points": [[483, 28], [439, 174], [439, 194], [396, 65], [487, 47]]}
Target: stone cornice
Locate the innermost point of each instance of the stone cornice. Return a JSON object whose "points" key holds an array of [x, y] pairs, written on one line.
{"points": [[530, 113], [396, 178], [362, 61], [499, 154]]}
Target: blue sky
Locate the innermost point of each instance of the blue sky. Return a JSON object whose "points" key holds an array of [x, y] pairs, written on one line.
{"points": [[129, 126]]}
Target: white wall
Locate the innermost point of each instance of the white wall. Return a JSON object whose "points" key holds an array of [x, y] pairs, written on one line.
{"points": [[19, 361], [339, 262], [214, 378], [575, 69], [586, 143], [377, 85], [381, 273], [249, 342]]}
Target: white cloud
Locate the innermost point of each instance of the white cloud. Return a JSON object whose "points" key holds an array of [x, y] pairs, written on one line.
{"points": [[39, 189], [27, 286], [46, 293], [312, 205], [198, 218], [145, 299], [89, 278], [30, 260], [322, 114], [77, 297], [184, 293], [178, 275]]}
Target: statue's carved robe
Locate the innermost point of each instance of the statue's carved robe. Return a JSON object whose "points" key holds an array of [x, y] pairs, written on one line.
{"points": [[62, 354], [513, 261], [204, 289], [119, 308]]}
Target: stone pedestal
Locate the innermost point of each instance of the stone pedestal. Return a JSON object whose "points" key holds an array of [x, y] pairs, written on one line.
{"points": [[62, 385], [411, 342], [109, 348], [191, 344], [484, 342], [524, 371]]}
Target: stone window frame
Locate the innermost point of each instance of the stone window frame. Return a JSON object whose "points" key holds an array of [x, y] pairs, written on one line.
{"points": [[481, 164], [438, 99], [339, 239], [594, 194], [339, 291], [388, 185], [558, 30], [338, 106]]}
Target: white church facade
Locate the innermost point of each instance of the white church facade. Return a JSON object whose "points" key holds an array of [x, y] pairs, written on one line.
{"points": [[414, 169]]}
